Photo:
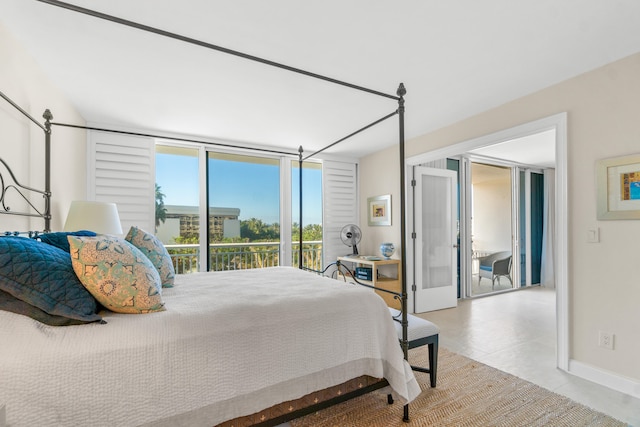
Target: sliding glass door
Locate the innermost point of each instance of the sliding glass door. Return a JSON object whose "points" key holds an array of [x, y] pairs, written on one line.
{"points": [[311, 214], [491, 228], [228, 211], [243, 211], [177, 204], [506, 218]]}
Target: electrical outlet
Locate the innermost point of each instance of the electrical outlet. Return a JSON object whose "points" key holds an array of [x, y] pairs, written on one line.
{"points": [[605, 340]]}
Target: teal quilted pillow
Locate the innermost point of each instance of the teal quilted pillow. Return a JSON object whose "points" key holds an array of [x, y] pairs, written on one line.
{"points": [[116, 273], [59, 238], [155, 251], [41, 276]]}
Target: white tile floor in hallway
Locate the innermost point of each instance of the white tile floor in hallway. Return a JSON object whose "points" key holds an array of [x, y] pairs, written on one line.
{"points": [[515, 332]]}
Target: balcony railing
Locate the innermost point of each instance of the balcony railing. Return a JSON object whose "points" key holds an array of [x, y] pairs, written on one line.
{"points": [[242, 256]]}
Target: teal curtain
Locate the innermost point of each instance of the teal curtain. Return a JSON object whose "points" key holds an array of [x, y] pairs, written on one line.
{"points": [[537, 229]]}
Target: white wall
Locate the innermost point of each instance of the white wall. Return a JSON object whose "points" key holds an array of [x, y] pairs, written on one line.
{"points": [[491, 215], [22, 143], [604, 293], [378, 178]]}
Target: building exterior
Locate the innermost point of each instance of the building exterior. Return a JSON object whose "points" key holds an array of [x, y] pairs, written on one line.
{"points": [[184, 221]]}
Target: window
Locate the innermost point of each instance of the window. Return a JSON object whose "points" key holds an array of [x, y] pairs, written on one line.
{"points": [[244, 211], [246, 199], [177, 204], [311, 214]]}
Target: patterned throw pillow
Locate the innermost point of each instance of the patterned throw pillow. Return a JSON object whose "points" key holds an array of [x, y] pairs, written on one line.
{"points": [[117, 274], [155, 251]]}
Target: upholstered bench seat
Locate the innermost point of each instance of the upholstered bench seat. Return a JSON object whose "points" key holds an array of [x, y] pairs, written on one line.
{"points": [[420, 332]]}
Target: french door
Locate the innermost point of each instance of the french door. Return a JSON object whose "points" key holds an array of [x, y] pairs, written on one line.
{"points": [[435, 241]]}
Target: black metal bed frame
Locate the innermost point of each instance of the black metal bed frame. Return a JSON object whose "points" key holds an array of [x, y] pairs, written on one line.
{"points": [[11, 185], [400, 111]]}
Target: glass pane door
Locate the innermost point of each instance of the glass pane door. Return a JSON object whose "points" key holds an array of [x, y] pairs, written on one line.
{"points": [[311, 214], [177, 205], [244, 211], [436, 242], [491, 216]]}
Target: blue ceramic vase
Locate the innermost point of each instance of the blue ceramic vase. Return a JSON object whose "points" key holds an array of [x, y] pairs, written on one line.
{"points": [[387, 249]]}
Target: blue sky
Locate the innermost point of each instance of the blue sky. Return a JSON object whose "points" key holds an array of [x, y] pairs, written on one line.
{"points": [[254, 188]]}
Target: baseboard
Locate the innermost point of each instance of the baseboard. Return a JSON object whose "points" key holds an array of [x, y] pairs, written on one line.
{"points": [[605, 378]]}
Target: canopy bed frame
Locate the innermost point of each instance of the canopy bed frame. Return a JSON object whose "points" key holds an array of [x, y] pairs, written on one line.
{"points": [[14, 187], [401, 317]]}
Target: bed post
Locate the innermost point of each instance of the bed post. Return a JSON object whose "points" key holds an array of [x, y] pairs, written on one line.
{"points": [[300, 206], [47, 169], [403, 251]]}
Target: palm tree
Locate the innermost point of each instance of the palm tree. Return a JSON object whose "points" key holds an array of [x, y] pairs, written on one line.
{"points": [[161, 211]]}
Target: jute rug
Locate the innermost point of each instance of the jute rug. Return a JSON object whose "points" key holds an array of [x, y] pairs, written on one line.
{"points": [[468, 393]]}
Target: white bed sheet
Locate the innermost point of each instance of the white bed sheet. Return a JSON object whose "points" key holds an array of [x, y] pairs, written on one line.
{"points": [[228, 345]]}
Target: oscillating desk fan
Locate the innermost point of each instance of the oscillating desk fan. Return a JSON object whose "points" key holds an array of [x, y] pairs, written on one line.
{"points": [[350, 236]]}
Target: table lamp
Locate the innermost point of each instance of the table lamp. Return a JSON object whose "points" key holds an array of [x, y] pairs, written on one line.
{"points": [[99, 217]]}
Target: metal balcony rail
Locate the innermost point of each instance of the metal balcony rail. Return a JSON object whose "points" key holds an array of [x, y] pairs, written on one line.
{"points": [[242, 256]]}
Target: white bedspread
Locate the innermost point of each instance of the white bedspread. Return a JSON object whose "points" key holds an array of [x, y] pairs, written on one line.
{"points": [[228, 345]]}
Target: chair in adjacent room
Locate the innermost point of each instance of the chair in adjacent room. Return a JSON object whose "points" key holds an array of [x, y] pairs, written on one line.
{"points": [[494, 266]]}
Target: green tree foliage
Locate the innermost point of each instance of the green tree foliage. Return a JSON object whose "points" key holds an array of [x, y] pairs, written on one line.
{"points": [[310, 232], [161, 210], [255, 230]]}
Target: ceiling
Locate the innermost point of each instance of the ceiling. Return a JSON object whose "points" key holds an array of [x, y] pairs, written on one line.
{"points": [[456, 58], [538, 150]]}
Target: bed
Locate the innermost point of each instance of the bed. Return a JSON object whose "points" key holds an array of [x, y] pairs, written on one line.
{"points": [[228, 348], [203, 360]]}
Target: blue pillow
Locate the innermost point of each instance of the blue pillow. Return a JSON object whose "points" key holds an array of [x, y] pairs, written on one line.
{"points": [[10, 303], [59, 239], [42, 275]]}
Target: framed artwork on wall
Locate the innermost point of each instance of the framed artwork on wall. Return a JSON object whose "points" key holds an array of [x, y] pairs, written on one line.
{"points": [[379, 210], [618, 182]]}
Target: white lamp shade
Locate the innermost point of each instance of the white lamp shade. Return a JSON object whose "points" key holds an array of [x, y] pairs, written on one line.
{"points": [[99, 217]]}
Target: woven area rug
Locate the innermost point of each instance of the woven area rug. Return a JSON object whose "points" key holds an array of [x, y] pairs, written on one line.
{"points": [[468, 393]]}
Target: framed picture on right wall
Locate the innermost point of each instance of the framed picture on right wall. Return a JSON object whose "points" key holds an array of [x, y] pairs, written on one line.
{"points": [[618, 182]]}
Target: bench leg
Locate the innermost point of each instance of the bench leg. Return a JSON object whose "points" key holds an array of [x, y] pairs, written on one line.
{"points": [[433, 364]]}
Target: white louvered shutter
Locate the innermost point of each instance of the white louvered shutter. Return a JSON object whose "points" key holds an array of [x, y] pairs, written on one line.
{"points": [[122, 171], [340, 206]]}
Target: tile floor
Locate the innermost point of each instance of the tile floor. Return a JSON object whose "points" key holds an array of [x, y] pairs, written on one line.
{"points": [[484, 286], [515, 332]]}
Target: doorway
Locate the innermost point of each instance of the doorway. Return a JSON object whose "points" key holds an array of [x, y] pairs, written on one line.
{"points": [[558, 124], [507, 225], [491, 228]]}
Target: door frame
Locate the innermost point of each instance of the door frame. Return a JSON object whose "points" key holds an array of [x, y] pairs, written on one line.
{"points": [[559, 123]]}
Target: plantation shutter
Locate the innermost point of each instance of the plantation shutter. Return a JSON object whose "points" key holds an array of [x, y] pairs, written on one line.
{"points": [[122, 171], [340, 206]]}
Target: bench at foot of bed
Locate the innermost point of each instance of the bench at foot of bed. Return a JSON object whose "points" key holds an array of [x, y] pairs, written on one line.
{"points": [[420, 332]]}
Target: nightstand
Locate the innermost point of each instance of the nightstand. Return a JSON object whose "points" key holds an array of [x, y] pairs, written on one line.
{"points": [[385, 274]]}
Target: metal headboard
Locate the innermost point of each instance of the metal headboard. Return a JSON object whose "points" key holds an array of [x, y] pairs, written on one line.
{"points": [[11, 189]]}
